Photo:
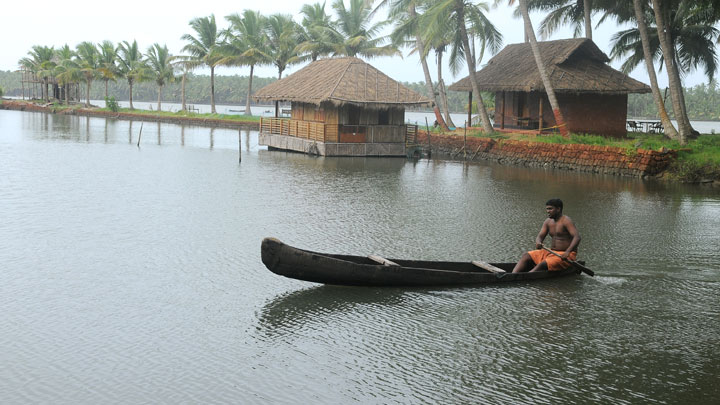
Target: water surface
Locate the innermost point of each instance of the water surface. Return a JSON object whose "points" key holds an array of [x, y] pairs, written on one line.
{"points": [[133, 274]]}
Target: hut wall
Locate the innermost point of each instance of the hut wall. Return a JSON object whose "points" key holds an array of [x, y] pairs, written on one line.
{"points": [[584, 113], [519, 106], [595, 113]]}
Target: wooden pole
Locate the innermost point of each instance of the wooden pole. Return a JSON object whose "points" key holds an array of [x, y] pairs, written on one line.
{"points": [[502, 120], [465, 143], [540, 118], [469, 120], [140, 135], [239, 146]]}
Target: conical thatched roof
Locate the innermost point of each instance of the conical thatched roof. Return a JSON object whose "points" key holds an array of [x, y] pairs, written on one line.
{"points": [[574, 65], [341, 81]]}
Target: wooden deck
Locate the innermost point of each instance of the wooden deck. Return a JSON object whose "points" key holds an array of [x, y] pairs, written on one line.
{"points": [[336, 140]]}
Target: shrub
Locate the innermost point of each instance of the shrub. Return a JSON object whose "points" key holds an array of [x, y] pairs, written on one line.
{"points": [[112, 104]]}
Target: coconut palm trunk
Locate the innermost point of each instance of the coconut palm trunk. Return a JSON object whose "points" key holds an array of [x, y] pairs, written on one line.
{"points": [[684, 128], [212, 90], [420, 47], [549, 89], [443, 94], [160, 98], [106, 88], [87, 93], [470, 59], [182, 92], [429, 84], [247, 100], [587, 11], [670, 130], [130, 83]]}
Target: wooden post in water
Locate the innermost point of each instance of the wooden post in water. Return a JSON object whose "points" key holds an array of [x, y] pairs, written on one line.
{"points": [[239, 145], [140, 135], [465, 142]]}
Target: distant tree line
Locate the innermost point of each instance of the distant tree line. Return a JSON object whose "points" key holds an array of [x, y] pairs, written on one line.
{"points": [[703, 100], [703, 103], [228, 90]]}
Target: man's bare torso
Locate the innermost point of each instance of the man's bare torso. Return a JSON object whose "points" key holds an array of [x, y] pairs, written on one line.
{"points": [[559, 233]]}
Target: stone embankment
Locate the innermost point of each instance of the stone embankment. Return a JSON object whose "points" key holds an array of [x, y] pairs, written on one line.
{"points": [[89, 112], [586, 158]]}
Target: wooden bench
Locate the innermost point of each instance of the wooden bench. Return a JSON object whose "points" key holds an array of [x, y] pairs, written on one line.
{"points": [[382, 260], [487, 266]]}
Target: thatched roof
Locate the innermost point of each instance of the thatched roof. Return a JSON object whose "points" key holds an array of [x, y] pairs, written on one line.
{"points": [[574, 65], [341, 81]]}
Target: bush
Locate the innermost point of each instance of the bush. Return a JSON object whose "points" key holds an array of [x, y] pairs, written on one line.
{"points": [[1, 91], [112, 104]]}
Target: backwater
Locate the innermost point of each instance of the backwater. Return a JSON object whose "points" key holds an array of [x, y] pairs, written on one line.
{"points": [[133, 274]]}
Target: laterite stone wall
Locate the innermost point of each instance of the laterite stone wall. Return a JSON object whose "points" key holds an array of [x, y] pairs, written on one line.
{"points": [[585, 158]]}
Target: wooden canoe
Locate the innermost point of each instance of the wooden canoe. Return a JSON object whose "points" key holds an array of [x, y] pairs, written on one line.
{"points": [[306, 265]]}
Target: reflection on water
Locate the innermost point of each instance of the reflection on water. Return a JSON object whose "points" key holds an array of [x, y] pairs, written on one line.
{"points": [[136, 271]]}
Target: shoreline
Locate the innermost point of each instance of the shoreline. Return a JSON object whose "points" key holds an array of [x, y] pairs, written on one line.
{"points": [[141, 115], [642, 164]]}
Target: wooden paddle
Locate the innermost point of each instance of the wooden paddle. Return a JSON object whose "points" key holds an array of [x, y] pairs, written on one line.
{"points": [[574, 263]]}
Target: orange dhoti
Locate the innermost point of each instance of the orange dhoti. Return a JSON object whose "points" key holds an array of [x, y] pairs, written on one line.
{"points": [[554, 263]]}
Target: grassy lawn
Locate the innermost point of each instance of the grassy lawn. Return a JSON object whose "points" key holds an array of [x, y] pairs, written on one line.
{"points": [[187, 114]]}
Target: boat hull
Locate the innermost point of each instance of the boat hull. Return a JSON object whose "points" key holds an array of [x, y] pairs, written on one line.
{"points": [[288, 261]]}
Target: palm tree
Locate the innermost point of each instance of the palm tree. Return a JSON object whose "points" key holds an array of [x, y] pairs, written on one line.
{"points": [[316, 31], [204, 48], [108, 63], [282, 34], [647, 53], [185, 64], [663, 25], [246, 44], [40, 62], [407, 33], [564, 12], [354, 34], [692, 37], [559, 119], [160, 68], [447, 15], [66, 70], [88, 60], [132, 66]]}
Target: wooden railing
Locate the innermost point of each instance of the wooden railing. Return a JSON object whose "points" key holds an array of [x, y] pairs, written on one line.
{"points": [[322, 132], [411, 132], [290, 127]]}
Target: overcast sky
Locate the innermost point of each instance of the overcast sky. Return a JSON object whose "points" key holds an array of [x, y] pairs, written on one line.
{"points": [[55, 23]]}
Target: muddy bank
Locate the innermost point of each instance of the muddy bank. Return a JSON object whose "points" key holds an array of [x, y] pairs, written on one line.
{"points": [[90, 112]]}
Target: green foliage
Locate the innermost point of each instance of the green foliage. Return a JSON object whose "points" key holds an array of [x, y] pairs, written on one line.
{"points": [[1, 91], [701, 101], [111, 104]]}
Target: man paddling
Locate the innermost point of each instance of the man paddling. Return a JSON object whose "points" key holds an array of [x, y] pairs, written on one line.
{"points": [[565, 240]]}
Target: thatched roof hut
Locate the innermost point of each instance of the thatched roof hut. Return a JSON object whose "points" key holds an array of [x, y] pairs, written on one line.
{"points": [[341, 81], [591, 94], [574, 65], [340, 107]]}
